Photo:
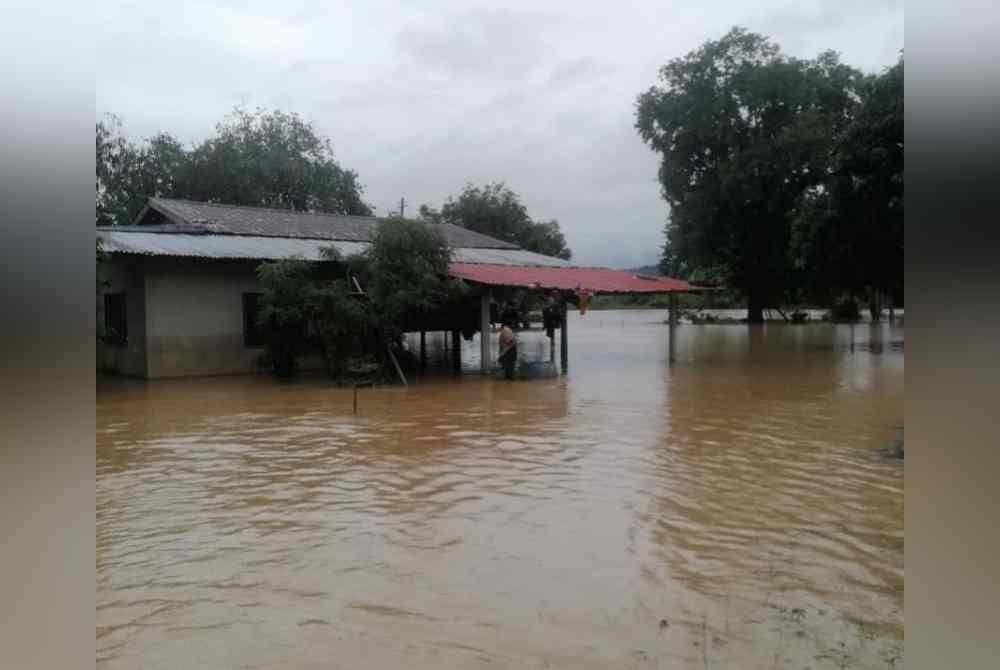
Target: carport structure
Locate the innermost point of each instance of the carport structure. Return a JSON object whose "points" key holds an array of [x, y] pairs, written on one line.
{"points": [[569, 282]]}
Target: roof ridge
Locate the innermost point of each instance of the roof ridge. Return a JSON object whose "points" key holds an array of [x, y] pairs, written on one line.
{"points": [[223, 205]]}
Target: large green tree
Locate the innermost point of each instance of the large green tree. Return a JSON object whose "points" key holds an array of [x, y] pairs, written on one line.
{"points": [[849, 230], [270, 159], [260, 158], [743, 131], [495, 210]]}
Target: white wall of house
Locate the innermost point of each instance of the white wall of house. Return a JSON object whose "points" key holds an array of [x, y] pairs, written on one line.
{"points": [[194, 317], [185, 317]]}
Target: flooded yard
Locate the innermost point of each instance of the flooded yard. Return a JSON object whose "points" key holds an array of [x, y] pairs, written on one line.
{"points": [[733, 510]]}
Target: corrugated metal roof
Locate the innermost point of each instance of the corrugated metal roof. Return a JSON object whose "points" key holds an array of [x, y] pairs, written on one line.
{"points": [[264, 222], [507, 257], [595, 280], [199, 245], [220, 246]]}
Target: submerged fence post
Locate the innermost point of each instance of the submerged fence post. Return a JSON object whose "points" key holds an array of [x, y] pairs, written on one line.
{"points": [[484, 333], [672, 321]]}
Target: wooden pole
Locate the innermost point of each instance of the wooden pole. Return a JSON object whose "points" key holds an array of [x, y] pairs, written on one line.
{"points": [[456, 351], [423, 349], [552, 349], [484, 333], [673, 327], [355, 398], [564, 342]]}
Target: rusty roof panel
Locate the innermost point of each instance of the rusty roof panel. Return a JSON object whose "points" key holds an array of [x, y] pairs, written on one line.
{"points": [[595, 280]]}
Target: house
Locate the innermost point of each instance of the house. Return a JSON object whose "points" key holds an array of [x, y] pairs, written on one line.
{"points": [[179, 292]]}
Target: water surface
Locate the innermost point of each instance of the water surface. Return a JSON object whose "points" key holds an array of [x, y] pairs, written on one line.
{"points": [[733, 510]]}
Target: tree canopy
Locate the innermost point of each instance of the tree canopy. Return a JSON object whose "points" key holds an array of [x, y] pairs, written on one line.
{"points": [[746, 133], [495, 210], [261, 158], [404, 276], [848, 232]]}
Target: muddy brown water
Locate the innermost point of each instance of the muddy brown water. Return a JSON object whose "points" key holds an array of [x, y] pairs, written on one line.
{"points": [[734, 510]]}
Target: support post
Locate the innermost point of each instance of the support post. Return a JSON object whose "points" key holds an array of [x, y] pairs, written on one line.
{"points": [[563, 342], [456, 351], [484, 333], [673, 327], [552, 349], [423, 349]]}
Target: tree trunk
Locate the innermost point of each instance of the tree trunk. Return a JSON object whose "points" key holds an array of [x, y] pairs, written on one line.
{"points": [[874, 306], [755, 308]]}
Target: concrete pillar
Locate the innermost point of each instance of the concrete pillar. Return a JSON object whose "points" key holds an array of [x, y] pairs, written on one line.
{"points": [[486, 362], [673, 327], [564, 342]]}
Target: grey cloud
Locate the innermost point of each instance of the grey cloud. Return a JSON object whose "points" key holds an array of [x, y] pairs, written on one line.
{"points": [[419, 103], [499, 43]]}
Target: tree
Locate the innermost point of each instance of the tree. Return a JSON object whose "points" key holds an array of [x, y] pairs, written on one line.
{"points": [[849, 230], [128, 172], [743, 131], [309, 304], [270, 159], [262, 158], [406, 274], [497, 211]]}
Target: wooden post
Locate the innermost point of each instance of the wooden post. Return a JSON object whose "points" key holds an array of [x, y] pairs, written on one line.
{"points": [[552, 349], [673, 327], [563, 342], [456, 351], [355, 398], [484, 333], [423, 349]]}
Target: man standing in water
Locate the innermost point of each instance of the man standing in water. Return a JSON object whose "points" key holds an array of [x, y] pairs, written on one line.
{"points": [[508, 350]]}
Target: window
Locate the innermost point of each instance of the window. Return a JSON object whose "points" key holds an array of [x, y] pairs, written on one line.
{"points": [[115, 319], [252, 335]]}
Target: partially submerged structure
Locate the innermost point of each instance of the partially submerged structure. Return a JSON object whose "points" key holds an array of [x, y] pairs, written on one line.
{"points": [[179, 292]]}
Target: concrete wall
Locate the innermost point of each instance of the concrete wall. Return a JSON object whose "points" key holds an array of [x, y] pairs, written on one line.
{"points": [[194, 317], [185, 317], [120, 273]]}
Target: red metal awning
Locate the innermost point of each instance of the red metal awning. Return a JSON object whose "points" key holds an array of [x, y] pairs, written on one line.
{"points": [[594, 280]]}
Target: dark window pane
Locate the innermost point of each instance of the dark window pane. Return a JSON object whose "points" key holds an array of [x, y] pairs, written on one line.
{"points": [[252, 335], [115, 319]]}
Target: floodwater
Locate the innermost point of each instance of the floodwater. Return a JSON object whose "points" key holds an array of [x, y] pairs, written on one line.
{"points": [[733, 510]]}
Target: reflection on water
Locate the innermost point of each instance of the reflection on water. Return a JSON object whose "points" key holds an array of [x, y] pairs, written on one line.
{"points": [[731, 511]]}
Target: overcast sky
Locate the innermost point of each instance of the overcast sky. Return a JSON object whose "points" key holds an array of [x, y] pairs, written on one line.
{"points": [[421, 97]]}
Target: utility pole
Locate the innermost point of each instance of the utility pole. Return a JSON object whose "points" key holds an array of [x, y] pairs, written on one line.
{"points": [[402, 206]]}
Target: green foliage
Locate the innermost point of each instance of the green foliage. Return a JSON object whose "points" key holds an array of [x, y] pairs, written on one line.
{"points": [[128, 172], [743, 131], [270, 159], [286, 311], [497, 211], [407, 275], [848, 233], [310, 305], [261, 158]]}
